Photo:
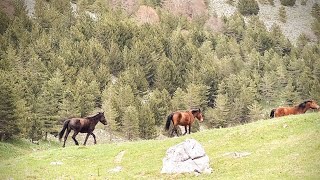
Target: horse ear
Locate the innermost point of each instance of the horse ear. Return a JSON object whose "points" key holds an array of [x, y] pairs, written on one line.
{"points": [[195, 110]]}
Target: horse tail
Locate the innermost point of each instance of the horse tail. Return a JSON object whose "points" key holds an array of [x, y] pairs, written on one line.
{"points": [[65, 125], [169, 119], [272, 113]]}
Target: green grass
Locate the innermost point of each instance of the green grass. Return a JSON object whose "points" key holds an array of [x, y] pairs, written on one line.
{"points": [[282, 148]]}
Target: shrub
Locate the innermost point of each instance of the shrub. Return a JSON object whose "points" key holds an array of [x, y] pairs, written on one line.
{"points": [[4, 22], [248, 7], [315, 12], [288, 2], [282, 14], [271, 2]]}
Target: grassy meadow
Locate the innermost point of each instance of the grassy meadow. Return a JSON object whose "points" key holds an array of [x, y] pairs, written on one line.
{"points": [[281, 148]]}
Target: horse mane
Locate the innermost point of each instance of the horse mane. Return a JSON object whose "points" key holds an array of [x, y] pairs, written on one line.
{"points": [[303, 104], [195, 110], [94, 116]]}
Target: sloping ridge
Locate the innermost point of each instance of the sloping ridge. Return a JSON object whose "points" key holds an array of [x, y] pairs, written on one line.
{"points": [[280, 148]]}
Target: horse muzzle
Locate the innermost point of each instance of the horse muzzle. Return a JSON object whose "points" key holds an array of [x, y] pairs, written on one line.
{"points": [[317, 107]]}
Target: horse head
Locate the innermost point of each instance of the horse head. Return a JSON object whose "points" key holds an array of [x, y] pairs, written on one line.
{"points": [[312, 104], [197, 113], [102, 118]]}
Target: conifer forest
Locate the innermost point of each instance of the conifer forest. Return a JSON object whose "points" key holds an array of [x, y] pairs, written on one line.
{"points": [[74, 59]]}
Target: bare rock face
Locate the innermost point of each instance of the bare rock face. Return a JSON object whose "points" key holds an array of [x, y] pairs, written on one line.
{"points": [[186, 157]]}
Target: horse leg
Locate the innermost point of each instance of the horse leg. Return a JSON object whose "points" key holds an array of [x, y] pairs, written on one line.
{"points": [[74, 137], [190, 129], [185, 129], [176, 130], [66, 137], [172, 131], [94, 137], [85, 141]]}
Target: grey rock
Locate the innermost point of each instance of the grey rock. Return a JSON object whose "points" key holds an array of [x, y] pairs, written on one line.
{"points": [[186, 157]]}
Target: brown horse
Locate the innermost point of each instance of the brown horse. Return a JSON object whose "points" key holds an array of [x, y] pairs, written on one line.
{"points": [[298, 109], [82, 125], [185, 119]]}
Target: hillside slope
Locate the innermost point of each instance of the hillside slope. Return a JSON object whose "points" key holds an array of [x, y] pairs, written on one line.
{"points": [[282, 148], [299, 17]]}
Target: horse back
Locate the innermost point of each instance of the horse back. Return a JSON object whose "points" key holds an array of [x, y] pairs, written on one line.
{"points": [[182, 118], [284, 111], [79, 124]]}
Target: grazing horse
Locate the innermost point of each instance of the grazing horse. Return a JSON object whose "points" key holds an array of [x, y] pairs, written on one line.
{"points": [[298, 109], [185, 119], [82, 125]]}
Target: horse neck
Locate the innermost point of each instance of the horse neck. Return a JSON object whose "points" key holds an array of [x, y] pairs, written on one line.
{"points": [[94, 119], [302, 109], [192, 115]]}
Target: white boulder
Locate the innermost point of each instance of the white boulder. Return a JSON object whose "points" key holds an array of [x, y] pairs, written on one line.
{"points": [[186, 157]]}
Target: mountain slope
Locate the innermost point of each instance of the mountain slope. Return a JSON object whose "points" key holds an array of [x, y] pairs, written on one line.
{"points": [[282, 148], [299, 17]]}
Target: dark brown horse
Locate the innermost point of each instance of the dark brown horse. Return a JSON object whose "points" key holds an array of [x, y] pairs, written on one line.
{"points": [[82, 125], [185, 118], [298, 109]]}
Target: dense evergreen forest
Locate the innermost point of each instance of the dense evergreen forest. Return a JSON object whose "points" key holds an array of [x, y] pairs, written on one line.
{"points": [[63, 63]]}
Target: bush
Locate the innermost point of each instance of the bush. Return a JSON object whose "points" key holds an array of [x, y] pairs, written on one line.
{"points": [[282, 14], [288, 2], [271, 2], [248, 7], [4, 22]]}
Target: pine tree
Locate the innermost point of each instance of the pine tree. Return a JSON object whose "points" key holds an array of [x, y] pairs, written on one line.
{"points": [[114, 60], [84, 98], [222, 47], [315, 12], [116, 99], [135, 78], [4, 22], [219, 116], [314, 91], [179, 100], [282, 14], [50, 103], [24, 115], [166, 75], [147, 123], [280, 43], [131, 122], [209, 71], [305, 82], [267, 88], [235, 27], [103, 76], [196, 95], [289, 94], [36, 75], [9, 123], [160, 105], [248, 95], [110, 107], [248, 7], [255, 111], [315, 26], [35, 131], [288, 2], [68, 107]]}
